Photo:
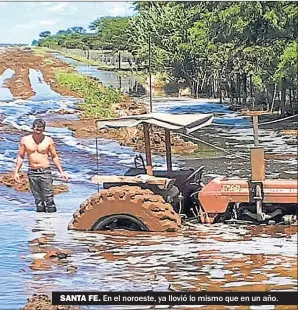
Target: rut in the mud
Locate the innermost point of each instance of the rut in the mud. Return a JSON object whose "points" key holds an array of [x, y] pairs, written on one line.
{"points": [[21, 61]]}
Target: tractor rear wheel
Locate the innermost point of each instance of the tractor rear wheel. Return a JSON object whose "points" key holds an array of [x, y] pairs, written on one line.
{"points": [[126, 207]]}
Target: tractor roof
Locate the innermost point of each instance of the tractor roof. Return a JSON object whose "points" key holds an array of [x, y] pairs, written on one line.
{"points": [[187, 123]]}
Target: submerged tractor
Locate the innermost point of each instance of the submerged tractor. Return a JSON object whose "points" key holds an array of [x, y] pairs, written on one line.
{"points": [[161, 200]]}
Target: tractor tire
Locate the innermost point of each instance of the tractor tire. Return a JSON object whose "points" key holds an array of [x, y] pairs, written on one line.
{"points": [[141, 208]]}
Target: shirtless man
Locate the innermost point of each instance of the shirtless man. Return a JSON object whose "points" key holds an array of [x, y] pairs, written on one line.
{"points": [[38, 147]]}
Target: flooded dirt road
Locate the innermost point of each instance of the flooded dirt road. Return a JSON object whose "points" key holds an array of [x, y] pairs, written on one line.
{"points": [[212, 258]]}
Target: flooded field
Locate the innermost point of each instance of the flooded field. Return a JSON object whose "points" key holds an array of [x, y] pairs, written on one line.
{"points": [[213, 258]]}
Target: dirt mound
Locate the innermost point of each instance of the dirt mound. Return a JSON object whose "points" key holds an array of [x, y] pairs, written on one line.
{"points": [[19, 84], [60, 188], [43, 302], [7, 179], [130, 107], [52, 256], [289, 132], [49, 256], [133, 137]]}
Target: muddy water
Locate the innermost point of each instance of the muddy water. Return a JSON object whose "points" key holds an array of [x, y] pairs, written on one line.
{"points": [[233, 132], [218, 257]]}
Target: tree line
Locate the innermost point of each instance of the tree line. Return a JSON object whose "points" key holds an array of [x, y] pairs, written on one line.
{"points": [[246, 51]]}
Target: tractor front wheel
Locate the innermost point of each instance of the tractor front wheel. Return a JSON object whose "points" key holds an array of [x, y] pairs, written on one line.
{"points": [[126, 207]]}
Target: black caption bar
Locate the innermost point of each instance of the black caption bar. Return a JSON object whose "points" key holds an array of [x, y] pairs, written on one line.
{"points": [[174, 298]]}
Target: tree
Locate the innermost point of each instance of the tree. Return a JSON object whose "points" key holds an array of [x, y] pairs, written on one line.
{"points": [[78, 29], [249, 47], [45, 34], [111, 31], [34, 42], [61, 32]]}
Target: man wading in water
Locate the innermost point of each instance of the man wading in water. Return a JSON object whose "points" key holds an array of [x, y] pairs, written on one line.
{"points": [[38, 147]]}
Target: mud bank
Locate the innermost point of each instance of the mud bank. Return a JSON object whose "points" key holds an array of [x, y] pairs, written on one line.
{"points": [[44, 302], [132, 137], [21, 61], [7, 179], [46, 256]]}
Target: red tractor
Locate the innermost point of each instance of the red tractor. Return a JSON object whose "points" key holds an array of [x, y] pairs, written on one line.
{"points": [[157, 200]]}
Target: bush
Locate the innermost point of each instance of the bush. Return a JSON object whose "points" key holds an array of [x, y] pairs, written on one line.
{"points": [[98, 100]]}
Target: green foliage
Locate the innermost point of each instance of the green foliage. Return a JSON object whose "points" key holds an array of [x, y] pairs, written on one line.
{"points": [[45, 34], [98, 101], [111, 31], [198, 43], [34, 43], [287, 66]]}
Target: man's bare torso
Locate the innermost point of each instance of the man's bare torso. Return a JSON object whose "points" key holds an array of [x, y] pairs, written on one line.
{"points": [[37, 150]]}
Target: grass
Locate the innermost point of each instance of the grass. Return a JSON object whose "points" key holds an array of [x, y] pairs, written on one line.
{"points": [[98, 100], [42, 50], [206, 151], [48, 61]]}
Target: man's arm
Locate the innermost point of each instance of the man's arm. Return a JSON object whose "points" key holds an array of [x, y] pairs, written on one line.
{"points": [[56, 160], [20, 160]]}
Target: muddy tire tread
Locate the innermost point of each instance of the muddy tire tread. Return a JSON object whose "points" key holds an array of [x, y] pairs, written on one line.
{"points": [[151, 209]]}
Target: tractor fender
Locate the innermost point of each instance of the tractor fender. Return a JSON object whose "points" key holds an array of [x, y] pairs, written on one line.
{"points": [[211, 197]]}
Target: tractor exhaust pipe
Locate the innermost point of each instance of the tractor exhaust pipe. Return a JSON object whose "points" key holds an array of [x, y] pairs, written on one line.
{"points": [[257, 163], [257, 156]]}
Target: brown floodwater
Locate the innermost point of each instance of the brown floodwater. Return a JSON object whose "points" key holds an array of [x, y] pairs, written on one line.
{"points": [[206, 258]]}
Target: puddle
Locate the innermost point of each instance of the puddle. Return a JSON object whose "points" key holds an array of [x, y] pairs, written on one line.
{"points": [[5, 93], [42, 90]]}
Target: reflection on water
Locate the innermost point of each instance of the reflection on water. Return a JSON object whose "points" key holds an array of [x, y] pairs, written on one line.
{"points": [[42, 90]]}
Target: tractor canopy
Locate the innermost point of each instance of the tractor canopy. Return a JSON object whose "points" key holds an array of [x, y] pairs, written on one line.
{"points": [[184, 123], [179, 123]]}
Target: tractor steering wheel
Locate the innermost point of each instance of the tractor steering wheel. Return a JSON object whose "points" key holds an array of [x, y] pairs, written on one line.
{"points": [[139, 162], [195, 176]]}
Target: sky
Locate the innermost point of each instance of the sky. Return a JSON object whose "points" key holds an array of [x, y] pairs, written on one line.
{"points": [[21, 22]]}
